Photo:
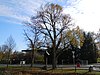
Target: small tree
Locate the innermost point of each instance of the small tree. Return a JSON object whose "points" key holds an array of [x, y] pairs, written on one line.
{"points": [[34, 42], [2, 50], [10, 45]]}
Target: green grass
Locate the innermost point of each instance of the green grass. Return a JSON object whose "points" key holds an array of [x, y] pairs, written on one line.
{"points": [[80, 71], [67, 71]]}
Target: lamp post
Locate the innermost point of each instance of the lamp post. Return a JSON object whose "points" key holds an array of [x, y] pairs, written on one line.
{"points": [[73, 57]]}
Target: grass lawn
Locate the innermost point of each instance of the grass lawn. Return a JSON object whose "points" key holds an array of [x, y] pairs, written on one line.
{"points": [[61, 71], [80, 71]]}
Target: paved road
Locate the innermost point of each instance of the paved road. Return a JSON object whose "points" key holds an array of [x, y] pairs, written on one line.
{"points": [[41, 65], [96, 66]]}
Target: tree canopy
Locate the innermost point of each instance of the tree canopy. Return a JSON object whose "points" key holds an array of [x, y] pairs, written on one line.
{"points": [[51, 23]]}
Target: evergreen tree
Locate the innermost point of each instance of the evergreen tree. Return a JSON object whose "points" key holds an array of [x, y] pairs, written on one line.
{"points": [[89, 50]]}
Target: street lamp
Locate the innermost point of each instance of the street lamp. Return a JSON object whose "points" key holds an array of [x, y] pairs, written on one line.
{"points": [[73, 57]]}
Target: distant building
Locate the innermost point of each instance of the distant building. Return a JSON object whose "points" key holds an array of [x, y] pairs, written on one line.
{"points": [[41, 51]]}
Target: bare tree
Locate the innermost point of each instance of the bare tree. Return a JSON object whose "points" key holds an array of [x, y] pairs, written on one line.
{"points": [[34, 42], [51, 23], [10, 45]]}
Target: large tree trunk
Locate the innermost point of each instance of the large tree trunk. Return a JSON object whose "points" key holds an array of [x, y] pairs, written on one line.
{"points": [[32, 58], [54, 61], [32, 61], [54, 58]]}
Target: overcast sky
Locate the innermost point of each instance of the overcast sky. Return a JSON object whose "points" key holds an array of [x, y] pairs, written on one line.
{"points": [[86, 14]]}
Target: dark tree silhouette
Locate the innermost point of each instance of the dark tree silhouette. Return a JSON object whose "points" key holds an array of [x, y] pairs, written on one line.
{"points": [[51, 23], [34, 43], [89, 49]]}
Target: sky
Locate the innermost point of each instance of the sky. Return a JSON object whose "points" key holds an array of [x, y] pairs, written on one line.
{"points": [[13, 13]]}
